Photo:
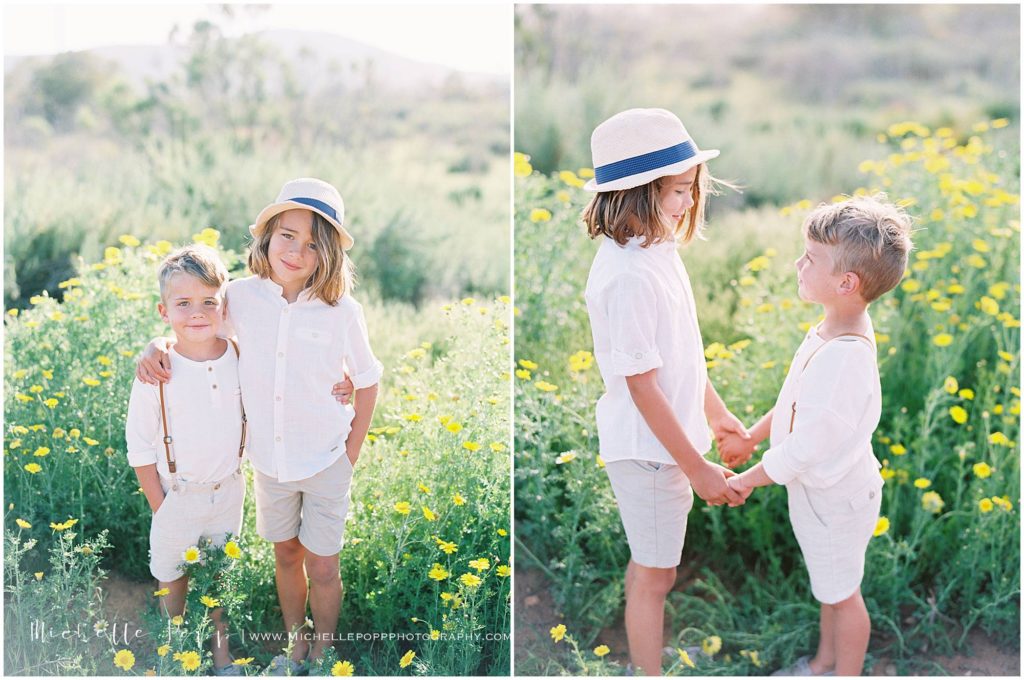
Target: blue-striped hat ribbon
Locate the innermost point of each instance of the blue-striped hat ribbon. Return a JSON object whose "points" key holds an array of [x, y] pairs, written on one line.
{"points": [[314, 203], [645, 162]]}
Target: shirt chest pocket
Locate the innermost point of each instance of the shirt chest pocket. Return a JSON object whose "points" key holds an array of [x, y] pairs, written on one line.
{"points": [[311, 337]]}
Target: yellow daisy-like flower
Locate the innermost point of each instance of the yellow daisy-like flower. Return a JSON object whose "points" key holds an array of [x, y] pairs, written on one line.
{"points": [[982, 470], [711, 645], [558, 632], [470, 580], [162, 592], [22, 523], [471, 446], [999, 439], [504, 571], [447, 547], [403, 508], [163, 649], [232, 550], [124, 659], [429, 514], [438, 573], [435, 634], [244, 662], [545, 386], [407, 659], [209, 602], [481, 564], [752, 655], [898, 449], [601, 650], [177, 620], [41, 451], [943, 340], [458, 499], [343, 669], [882, 526], [967, 394], [497, 447], [540, 215], [423, 487], [932, 502], [986, 505], [189, 661], [528, 365], [191, 555], [39, 575], [958, 414], [63, 526], [91, 382], [684, 658], [566, 457], [922, 483], [521, 373], [453, 427]]}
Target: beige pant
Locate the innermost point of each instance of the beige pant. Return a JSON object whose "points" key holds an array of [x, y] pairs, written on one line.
{"points": [[190, 513], [654, 500], [314, 509]]}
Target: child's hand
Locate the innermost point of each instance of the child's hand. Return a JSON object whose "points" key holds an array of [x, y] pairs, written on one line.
{"points": [[729, 424], [737, 485], [342, 391], [709, 482], [155, 363], [735, 450]]}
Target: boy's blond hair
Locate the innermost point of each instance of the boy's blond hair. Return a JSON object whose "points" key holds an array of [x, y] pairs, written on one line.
{"points": [[870, 237], [333, 275], [196, 260], [625, 213]]}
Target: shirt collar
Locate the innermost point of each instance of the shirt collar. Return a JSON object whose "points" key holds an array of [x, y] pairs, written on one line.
{"points": [[305, 297]]}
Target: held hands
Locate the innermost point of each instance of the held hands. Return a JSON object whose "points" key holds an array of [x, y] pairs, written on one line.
{"points": [[735, 445], [737, 484], [710, 482]]}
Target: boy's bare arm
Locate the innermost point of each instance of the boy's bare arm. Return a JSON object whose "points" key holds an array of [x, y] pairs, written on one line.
{"points": [[707, 479], [149, 480], [365, 402]]}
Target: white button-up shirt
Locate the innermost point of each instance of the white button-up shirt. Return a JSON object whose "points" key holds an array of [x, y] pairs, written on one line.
{"points": [[204, 419], [292, 354], [643, 316], [838, 405]]}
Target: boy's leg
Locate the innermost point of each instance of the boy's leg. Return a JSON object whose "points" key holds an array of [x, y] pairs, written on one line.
{"points": [[219, 639], [825, 659], [852, 631], [646, 589], [290, 575], [324, 599], [174, 601]]}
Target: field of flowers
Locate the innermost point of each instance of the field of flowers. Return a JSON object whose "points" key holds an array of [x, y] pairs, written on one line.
{"points": [[945, 559], [426, 562]]}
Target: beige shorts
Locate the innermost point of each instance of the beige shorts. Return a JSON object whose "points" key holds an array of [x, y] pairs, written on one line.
{"points": [[654, 500], [189, 514], [314, 509]]}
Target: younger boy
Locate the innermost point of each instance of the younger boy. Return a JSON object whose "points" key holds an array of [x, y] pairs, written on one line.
{"points": [[185, 438], [828, 408]]}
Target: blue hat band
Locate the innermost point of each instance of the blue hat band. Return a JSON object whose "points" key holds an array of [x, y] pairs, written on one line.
{"points": [[644, 163], [314, 203]]}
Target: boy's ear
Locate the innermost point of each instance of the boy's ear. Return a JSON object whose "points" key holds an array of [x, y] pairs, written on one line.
{"points": [[163, 312], [850, 283]]}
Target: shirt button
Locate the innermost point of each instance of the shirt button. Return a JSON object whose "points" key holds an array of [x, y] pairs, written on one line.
{"points": [[638, 355], [277, 438], [214, 387], [280, 354], [279, 397], [210, 368]]}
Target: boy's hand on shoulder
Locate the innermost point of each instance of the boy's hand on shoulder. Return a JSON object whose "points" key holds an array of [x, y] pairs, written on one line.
{"points": [[155, 363]]}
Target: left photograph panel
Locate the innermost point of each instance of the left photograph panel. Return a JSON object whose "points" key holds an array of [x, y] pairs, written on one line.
{"points": [[256, 340]]}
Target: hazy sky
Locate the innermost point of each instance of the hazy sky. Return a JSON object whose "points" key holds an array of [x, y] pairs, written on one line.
{"points": [[472, 37]]}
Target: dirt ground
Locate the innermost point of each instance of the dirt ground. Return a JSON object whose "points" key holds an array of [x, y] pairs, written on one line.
{"points": [[535, 614]]}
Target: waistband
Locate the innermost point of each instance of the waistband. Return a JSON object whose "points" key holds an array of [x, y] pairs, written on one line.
{"points": [[183, 486]]}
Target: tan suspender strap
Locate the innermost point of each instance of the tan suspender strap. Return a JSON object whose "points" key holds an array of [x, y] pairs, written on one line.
{"points": [[167, 438], [792, 416], [245, 421]]}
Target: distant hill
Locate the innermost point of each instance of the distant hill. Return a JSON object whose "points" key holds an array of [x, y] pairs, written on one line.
{"points": [[320, 58]]}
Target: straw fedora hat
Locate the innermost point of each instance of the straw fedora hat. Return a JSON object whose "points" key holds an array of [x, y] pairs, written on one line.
{"points": [[307, 193], [638, 146]]}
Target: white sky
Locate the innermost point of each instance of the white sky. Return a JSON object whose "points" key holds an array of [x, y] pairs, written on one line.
{"points": [[470, 37]]}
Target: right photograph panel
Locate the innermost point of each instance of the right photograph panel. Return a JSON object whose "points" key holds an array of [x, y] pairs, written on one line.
{"points": [[767, 340]]}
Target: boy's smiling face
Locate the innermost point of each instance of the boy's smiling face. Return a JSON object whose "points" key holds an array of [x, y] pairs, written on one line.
{"points": [[192, 308]]}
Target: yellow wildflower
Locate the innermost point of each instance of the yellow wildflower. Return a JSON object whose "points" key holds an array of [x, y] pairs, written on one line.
{"points": [[406, 660], [558, 632], [124, 659]]}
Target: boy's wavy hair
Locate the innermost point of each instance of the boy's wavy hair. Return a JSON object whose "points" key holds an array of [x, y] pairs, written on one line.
{"points": [[622, 214], [870, 237], [334, 274], [196, 260]]}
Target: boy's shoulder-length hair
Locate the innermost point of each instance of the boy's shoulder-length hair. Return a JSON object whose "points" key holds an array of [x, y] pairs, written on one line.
{"points": [[334, 274], [621, 215]]}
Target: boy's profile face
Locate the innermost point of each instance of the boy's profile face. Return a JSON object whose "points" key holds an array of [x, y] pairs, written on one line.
{"points": [[814, 277], [192, 308]]}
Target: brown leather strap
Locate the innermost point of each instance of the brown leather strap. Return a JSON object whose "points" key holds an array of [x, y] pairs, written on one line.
{"points": [[245, 421], [167, 438], [792, 417]]}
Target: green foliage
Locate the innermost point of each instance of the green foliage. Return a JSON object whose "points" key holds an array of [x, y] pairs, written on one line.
{"points": [[949, 356], [438, 443]]}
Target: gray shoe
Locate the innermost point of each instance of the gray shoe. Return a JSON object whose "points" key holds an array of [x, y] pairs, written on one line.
{"points": [[802, 666], [284, 665], [231, 670]]}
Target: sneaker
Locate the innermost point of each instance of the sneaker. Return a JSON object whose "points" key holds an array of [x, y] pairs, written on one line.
{"points": [[284, 665], [801, 666]]}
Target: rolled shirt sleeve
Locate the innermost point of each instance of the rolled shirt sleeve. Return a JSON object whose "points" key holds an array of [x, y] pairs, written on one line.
{"points": [[633, 323], [834, 399], [364, 369], [142, 425]]}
